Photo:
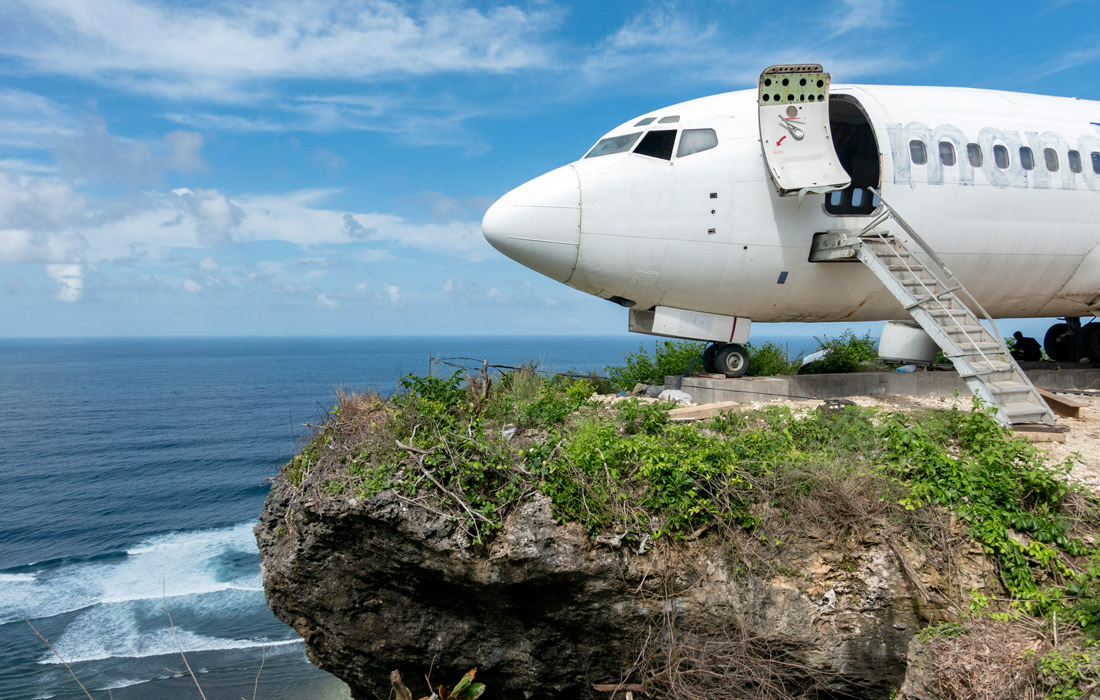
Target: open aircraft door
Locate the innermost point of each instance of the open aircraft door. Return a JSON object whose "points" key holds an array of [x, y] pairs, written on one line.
{"points": [[794, 130]]}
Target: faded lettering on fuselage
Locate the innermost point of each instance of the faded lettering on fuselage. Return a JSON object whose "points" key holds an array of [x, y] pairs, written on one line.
{"points": [[963, 172]]}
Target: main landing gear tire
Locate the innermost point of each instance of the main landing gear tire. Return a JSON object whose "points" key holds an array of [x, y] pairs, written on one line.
{"points": [[731, 360], [1059, 343], [1091, 345]]}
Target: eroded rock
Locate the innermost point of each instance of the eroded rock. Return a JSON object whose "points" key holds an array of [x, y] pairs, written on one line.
{"points": [[545, 612]]}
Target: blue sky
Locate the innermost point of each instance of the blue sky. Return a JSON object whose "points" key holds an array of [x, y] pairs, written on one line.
{"points": [[321, 167]]}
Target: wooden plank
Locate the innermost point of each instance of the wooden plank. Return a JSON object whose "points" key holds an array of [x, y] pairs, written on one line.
{"points": [[1067, 408], [709, 410], [1041, 433]]}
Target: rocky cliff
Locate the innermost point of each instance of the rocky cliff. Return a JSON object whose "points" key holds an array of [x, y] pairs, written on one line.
{"points": [[545, 612]]}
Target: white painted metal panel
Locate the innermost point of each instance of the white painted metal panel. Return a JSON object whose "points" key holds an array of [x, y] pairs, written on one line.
{"points": [[690, 325], [794, 130]]}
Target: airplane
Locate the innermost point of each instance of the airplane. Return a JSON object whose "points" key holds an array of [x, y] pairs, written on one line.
{"points": [[705, 216]]}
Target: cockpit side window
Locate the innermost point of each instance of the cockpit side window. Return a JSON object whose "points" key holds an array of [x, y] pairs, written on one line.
{"points": [[657, 144], [696, 140], [613, 144]]}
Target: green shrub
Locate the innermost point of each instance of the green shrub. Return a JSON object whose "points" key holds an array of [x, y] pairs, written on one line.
{"points": [[669, 358], [847, 353], [769, 360]]}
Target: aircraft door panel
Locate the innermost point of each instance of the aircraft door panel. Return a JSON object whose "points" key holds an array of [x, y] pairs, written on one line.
{"points": [[794, 130]]}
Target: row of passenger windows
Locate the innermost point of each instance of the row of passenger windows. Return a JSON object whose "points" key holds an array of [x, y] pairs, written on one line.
{"points": [[657, 143], [919, 155]]}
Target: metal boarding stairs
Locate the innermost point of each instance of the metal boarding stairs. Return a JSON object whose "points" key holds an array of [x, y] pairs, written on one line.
{"points": [[942, 307]]}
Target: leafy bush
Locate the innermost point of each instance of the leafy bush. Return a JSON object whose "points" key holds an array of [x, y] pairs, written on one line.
{"points": [[847, 353], [769, 360], [668, 358]]}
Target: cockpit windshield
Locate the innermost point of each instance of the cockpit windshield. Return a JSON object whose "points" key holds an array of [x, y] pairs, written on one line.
{"points": [[613, 144]]}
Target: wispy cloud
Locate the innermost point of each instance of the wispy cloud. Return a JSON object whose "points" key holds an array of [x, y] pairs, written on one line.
{"points": [[94, 153], [864, 15], [28, 120], [224, 51]]}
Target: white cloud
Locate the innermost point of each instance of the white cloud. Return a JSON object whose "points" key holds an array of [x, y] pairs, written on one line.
{"points": [[95, 153], [393, 292], [329, 159], [39, 204], [218, 51], [208, 264], [326, 301], [448, 286], [70, 281], [19, 165], [190, 285], [24, 246], [863, 15], [28, 120], [215, 217]]}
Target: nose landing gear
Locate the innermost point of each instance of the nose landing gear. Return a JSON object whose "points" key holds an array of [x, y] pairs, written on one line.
{"points": [[729, 359]]}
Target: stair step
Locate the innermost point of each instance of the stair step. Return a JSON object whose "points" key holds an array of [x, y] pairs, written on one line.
{"points": [[970, 330], [980, 367], [1007, 387], [1011, 392], [943, 313], [984, 347], [1023, 412]]}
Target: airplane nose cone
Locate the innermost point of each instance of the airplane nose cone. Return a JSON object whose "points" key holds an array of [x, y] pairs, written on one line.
{"points": [[538, 224]]}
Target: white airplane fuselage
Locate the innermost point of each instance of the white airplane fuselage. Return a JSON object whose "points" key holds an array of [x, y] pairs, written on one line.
{"points": [[708, 232]]}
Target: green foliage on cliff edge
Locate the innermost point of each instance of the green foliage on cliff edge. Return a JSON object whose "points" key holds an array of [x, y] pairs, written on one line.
{"points": [[473, 449]]}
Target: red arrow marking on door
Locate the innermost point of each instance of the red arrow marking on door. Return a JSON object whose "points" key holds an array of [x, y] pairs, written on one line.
{"points": [[780, 141]]}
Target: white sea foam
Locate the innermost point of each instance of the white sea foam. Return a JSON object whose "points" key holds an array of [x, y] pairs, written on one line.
{"points": [[16, 578], [124, 683], [179, 564]]}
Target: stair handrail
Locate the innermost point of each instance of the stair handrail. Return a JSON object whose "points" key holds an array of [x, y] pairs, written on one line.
{"points": [[892, 213], [893, 244]]}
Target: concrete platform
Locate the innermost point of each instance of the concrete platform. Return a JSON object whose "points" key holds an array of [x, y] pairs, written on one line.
{"points": [[705, 390]]}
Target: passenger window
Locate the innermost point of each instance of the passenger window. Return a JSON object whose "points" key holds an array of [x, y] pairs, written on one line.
{"points": [[646, 122], [613, 144], [657, 144], [1027, 158], [857, 197], [974, 154], [1000, 156], [947, 153], [917, 152], [1096, 162], [1075, 161], [1051, 159], [695, 140]]}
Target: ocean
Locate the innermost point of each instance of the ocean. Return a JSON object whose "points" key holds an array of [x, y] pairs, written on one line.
{"points": [[132, 472]]}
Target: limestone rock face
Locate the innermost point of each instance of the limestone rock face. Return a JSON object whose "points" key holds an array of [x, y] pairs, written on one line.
{"points": [[544, 612]]}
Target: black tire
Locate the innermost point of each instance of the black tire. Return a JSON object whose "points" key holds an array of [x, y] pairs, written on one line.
{"points": [[1091, 341], [708, 358], [732, 360], [1060, 343]]}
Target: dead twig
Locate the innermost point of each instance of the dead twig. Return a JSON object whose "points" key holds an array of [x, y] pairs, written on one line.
{"points": [[263, 657], [164, 600], [63, 661]]}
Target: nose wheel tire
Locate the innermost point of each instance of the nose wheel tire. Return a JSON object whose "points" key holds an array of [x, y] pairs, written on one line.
{"points": [[731, 360], [708, 358]]}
